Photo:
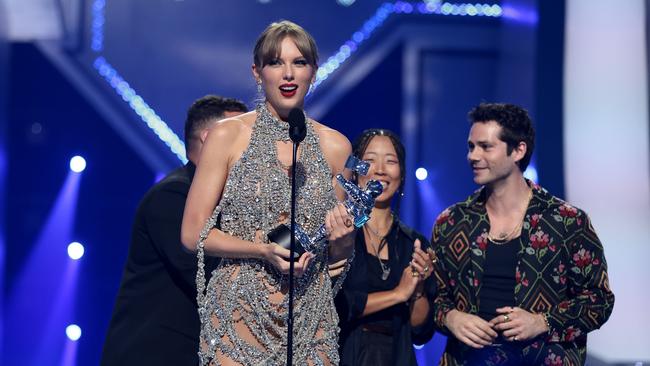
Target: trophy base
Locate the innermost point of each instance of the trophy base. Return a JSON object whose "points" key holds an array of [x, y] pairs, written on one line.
{"points": [[281, 235]]}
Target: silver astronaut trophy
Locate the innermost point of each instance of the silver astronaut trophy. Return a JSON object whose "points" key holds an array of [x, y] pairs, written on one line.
{"points": [[359, 203]]}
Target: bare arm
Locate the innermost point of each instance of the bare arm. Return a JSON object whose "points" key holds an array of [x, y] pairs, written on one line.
{"points": [[220, 147], [410, 287], [223, 147], [336, 149], [420, 306], [381, 300]]}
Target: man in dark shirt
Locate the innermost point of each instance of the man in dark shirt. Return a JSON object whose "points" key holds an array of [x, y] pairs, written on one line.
{"points": [[155, 320], [521, 274]]}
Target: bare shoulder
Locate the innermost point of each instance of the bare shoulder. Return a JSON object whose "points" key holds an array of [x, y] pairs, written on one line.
{"points": [[228, 139], [332, 139], [335, 146], [231, 130]]}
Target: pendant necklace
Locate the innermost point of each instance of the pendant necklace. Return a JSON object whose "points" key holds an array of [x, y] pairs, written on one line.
{"points": [[385, 268], [504, 238]]}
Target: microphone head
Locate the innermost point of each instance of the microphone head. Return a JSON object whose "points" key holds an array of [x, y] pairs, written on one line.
{"points": [[297, 127]]}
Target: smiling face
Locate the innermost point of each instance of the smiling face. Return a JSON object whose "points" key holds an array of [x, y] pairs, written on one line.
{"points": [[488, 154], [285, 78], [384, 167]]}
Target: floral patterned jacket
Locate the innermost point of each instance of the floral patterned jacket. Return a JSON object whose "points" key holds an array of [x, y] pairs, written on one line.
{"points": [[561, 271]]}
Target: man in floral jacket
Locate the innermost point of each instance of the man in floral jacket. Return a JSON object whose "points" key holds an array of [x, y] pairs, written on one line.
{"points": [[521, 274]]}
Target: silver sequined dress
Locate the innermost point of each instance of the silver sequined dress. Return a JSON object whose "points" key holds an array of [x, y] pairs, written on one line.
{"points": [[243, 310]]}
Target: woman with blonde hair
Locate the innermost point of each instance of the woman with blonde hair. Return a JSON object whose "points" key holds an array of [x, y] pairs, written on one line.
{"points": [[243, 182]]}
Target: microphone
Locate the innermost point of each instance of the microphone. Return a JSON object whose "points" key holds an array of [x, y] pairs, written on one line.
{"points": [[297, 127]]}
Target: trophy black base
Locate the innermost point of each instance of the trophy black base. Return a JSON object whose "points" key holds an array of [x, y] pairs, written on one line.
{"points": [[281, 235]]}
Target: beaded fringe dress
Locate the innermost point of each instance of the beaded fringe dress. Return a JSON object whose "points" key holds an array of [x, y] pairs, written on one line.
{"points": [[243, 310]]}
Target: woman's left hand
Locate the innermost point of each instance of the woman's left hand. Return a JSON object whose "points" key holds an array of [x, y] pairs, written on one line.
{"points": [[422, 262], [338, 223]]}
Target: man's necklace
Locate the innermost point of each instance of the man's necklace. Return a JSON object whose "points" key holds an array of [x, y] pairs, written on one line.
{"points": [[506, 237]]}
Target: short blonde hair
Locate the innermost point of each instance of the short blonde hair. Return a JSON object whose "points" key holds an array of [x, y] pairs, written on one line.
{"points": [[268, 45]]}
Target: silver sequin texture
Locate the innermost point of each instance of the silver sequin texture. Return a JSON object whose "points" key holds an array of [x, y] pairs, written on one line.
{"points": [[237, 304]]}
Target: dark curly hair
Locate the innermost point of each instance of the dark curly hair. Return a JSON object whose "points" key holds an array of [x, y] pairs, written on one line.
{"points": [[516, 126]]}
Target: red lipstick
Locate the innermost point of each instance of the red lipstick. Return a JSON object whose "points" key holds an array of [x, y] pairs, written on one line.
{"points": [[288, 90]]}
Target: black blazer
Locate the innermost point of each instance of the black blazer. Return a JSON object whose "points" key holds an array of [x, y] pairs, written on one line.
{"points": [[155, 320]]}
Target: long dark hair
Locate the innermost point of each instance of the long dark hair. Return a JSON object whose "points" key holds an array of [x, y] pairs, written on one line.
{"points": [[359, 148]]}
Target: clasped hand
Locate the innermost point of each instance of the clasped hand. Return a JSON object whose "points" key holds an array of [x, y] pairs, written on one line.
{"points": [[413, 276], [515, 324]]}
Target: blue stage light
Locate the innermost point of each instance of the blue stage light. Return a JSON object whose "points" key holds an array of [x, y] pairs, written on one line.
{"points": [[345, 2], [369, 27], [148, 115], [75, 250], [77, 164], [497, 11], [421, 173], [176, 145], [97, 42], [73, 332], [531, 173]]}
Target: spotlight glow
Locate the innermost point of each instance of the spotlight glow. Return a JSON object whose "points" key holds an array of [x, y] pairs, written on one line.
{"points": [[531, 173], [73, 332], [77, 164], [75, 250], [421, 174]]}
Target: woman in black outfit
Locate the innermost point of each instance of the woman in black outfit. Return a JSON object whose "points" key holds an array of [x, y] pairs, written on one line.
{"points": [[385, 304]]}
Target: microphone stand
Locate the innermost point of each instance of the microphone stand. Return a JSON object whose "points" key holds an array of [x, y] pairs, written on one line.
{"points": [[297, 132], [292, 249]]}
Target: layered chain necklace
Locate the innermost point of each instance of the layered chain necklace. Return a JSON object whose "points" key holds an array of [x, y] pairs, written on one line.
{"points": [[506, 237], [385, 268]]}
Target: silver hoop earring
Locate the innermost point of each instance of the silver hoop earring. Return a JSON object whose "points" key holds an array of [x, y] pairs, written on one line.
{"points": [[259, 87]]}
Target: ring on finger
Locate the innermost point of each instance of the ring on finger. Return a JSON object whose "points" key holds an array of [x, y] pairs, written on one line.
{"points": [[347, 222], [414, 273], [426, 269], [506, 318]]}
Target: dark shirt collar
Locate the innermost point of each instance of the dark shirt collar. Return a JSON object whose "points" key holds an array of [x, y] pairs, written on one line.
{"points": [[541, 197], [190, 168]]}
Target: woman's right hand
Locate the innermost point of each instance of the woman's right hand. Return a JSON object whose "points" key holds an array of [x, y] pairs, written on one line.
{"points": [[339, 224], [407, 283], [279, 258]]}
